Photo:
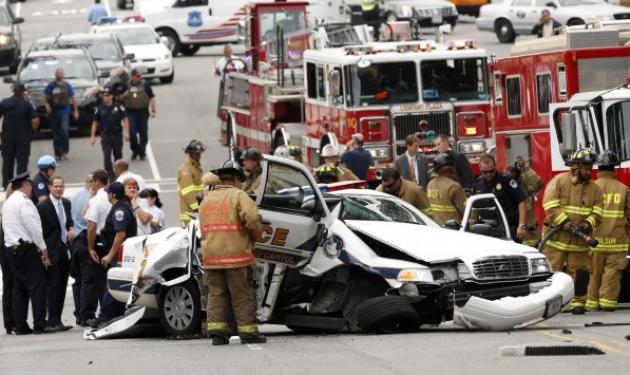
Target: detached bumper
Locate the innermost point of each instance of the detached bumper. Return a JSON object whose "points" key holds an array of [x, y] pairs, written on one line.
{"points": [[546, 300], [119, 280]]}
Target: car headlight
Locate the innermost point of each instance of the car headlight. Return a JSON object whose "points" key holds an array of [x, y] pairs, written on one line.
{"points": [[415, 275], [379, 152], [405, 11], [605, 17], [463, 271], [5, 39], [472, 147], [540, 265]]}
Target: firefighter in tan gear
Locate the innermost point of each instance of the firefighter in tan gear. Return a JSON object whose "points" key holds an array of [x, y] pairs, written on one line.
{"points": [[572, 200], [608, 259], [531, 183], [229, 223], [189, 183], [330, 154], [392, 183], [446, 195], [251, 164]]}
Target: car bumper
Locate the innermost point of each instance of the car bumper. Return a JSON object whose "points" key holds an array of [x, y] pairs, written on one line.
{"points": [[119, 281], [154, 69], [484, 24], [516, 312], [433, 22], [8, 56]]}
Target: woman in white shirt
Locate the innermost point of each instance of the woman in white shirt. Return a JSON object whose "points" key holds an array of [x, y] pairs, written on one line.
{"points": [[150, 202]]}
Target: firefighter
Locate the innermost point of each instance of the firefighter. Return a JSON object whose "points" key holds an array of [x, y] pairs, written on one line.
{"points": [[330, 154], [251, 159], [326, 174], [229, 222], [608, 259], [531, 184], [392, 183], [572, 199], [189, 181], [291, 152], [446, 195]]}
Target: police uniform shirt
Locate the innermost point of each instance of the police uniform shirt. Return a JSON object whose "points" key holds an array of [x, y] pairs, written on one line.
{"points": [[119, 218], [17, 113], [20, 220], [507, 191], [98, 208], [110, 118], [40, 187]]}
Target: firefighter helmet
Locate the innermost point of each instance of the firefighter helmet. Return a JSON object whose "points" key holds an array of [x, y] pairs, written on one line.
{"points": [[330, 150], [326, 174], [287, 152], [608, 158], [443, 159], [46, 162], [251, 154], [195, 147], [582, 156]]}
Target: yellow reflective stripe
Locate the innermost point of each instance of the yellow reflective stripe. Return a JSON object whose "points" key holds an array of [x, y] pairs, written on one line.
{"points": [[249, 329], [604, 302], [600, 211], [561, 218], [551, 204], [577, 210], [185, 217], [575, 304], [217, 327], [194, 206], [590, 304], [609, 247], [198, 187], [427, 211], [443, 208], [611, 214], [591, 220], [531, 242], [187, 190], [566, 247]]}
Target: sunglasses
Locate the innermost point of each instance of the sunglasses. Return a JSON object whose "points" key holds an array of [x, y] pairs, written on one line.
{"points": [[491, 171]]}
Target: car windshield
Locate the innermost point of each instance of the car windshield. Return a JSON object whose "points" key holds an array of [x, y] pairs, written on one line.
{"points": [[4, 18], [568, 3], [43, 68], [382, 84], [104, 49], [134, 36], [454, 79], [371, 208]]}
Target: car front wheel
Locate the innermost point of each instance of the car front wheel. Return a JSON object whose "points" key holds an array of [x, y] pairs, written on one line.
{"points": [[168, 79], [387, 314], [180, 309], [505, 31]]}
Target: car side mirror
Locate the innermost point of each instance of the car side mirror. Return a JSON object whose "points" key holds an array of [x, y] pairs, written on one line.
{"points": [[8, 79], [483, 229], [551, 4], [17, 20], [131, 56], [452, 224]]}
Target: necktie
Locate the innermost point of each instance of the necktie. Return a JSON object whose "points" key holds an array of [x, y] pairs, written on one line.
{"points": [[62, 222]]}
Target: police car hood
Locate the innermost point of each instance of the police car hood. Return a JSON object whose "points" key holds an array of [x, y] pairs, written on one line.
{"points": [[434, 244], [147, 51]]}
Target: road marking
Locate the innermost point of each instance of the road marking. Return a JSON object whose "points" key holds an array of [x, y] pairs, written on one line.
{"points": [[18, 9], [107, 7], [254, 347], [152, 163]]}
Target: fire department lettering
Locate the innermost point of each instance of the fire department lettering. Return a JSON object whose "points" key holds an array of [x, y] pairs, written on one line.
{"points": [[279, 237], [612, 198], [420, 106]]}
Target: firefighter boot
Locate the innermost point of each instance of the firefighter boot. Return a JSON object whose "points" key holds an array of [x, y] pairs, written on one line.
{"points": [[253, 339], [218, 339]]}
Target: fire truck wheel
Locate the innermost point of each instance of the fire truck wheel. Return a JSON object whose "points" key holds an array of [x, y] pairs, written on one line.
{"points": [[575, 22], [189, 49], [173, 40], [505, 31]]}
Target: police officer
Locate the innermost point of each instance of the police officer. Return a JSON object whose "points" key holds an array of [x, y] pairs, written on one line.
{"points": [[140, 104], [572, 200], [59, 103], [414, 194], [229, 222], [189, 183], [78, 205], [120, 224], [608, 259], [446, 195], [112, 120], [251, 164], [507, 191], [47, 167], [19, 124], [330, 154], [27, 256]]}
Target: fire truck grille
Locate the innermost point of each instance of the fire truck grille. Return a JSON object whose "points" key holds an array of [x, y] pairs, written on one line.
{"points": [[622, 16], [439, 122], [497, 268]]}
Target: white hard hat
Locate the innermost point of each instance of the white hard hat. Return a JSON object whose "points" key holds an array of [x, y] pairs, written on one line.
{"points": [[282, 152], [330, 150]]}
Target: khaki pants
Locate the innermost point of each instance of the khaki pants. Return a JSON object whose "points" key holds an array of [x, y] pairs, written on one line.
{"points": [[605, 283], [237, 285], [569, 262]]}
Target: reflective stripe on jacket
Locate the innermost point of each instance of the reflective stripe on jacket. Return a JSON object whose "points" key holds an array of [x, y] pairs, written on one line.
{"points": [[447, 199], [188, 185], [368, 5], [611, 232]]}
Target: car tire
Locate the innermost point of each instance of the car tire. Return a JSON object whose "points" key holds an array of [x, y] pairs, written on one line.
{"points": [[504, 30], [189, 49], [180, 309], [575, 22], [121, 4], [387, 314], [168, 79], [175, 44]]}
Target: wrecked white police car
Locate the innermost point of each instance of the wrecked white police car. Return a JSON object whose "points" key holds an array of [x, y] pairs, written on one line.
{"points": [[352, 260]]}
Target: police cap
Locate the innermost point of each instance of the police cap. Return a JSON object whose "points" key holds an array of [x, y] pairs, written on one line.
{"points": [[19, 88], [116, 188], [25, 176]]}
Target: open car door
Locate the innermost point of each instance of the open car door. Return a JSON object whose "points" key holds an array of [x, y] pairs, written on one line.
{"points": [[484, 215]]}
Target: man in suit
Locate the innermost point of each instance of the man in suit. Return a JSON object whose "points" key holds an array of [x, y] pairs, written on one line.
{"points": [[412, 165], [462, 165], [58, 229]]}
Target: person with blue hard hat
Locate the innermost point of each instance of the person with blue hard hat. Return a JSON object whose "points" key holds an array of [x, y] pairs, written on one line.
{"points": [[47, 166]]}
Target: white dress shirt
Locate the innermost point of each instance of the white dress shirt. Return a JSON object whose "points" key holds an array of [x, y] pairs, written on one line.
{"points": [[126, 174], [413, 166], [20, 220], [98, 208], [234, 64]]}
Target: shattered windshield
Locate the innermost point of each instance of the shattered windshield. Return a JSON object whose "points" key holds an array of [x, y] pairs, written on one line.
{"points": [[368, 208], [382, 84], [43, 68], [458, 79]]}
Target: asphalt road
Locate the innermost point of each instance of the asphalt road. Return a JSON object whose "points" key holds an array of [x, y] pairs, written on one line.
{"points": [[186, 110]]}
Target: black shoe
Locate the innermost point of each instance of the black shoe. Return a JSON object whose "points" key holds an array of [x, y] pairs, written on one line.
{"points": [[134, 156], [83, 322], [10, 330], [220, 340], [60, 327], [27, 331], [253, 339], [44, 330], [578, 310], [96, 323]]}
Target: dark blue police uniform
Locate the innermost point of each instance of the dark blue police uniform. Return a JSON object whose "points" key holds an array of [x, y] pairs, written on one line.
{"points": [[509, 194], [109, 119], [17, 133], [358, 160], [40, 187]]}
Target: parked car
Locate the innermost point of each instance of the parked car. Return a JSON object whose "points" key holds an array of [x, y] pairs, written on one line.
{"points": [[37, 69], [105, 49], [517, 17], [469, 7], [10, 38], [149, 50], [428, 12], [350, 260]]}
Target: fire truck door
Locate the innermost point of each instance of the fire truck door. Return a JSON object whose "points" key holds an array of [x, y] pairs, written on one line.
{"points": [[572, 126]]}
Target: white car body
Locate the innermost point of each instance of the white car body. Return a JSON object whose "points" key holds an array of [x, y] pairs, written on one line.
{"points": [[348, 238], [429, 12], [152, 56], [523, 15]]}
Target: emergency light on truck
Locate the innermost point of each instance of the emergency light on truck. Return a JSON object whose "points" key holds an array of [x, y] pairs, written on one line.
{"points": [[470, 124]]}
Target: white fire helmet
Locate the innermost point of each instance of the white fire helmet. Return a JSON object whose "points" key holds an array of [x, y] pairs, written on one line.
{"points": [[330, 150]]}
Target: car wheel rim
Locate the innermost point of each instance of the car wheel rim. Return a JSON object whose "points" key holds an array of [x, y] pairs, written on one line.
{"points": [[170, 43], [179, 307], [504, 30]]}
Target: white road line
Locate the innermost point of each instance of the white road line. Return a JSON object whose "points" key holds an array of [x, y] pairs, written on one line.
{"points": [[107, 7], [18, 9], [152, 163]]}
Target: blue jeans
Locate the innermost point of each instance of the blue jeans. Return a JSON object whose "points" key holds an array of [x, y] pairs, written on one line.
{"points": [[139, 128], [60, 124]]}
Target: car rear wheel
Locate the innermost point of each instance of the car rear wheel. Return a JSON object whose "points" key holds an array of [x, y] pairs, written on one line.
{"points": [[121, 4], [173, 43], [387, 314], [168, 79], [189, 49], [505, 31], [180, 309], [575, 22]]}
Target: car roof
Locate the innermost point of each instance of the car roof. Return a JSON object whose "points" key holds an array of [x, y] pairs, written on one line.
{"points": [[58, 52]]}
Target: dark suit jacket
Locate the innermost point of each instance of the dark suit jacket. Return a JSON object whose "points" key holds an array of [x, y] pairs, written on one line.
{"points": [[51, 229], [401, 164], [538, 29], [462, 167]]}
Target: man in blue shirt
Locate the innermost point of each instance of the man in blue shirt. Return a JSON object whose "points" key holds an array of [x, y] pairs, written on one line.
{"points": [[357, 159], [60, 102], [96, 12], [78, 205]]}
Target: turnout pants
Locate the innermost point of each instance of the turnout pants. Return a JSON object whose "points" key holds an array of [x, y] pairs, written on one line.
{"points": [[605, 282], [237, 285], [29, 282], [7, 296], [111, 145], [569, 262], [57, 282], [14, 151], [139, 131]]}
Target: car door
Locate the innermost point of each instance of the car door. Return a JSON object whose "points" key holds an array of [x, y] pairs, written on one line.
{"points": [[192, 19], [484, 215], [518, 13]]}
